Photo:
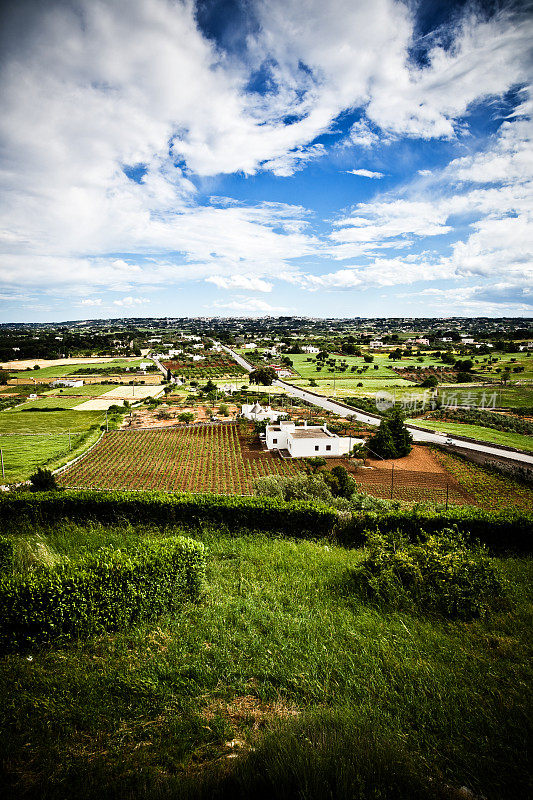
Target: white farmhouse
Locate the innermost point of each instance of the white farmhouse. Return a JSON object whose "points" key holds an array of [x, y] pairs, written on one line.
{"points": [[376, 344], [250, 346], [310, 349], [257, 413], [70, 383], [198, 358], [422, 341], [307, 441]]}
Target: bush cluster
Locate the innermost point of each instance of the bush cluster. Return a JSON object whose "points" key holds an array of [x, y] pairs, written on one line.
{"points": [[106, 590], [443, 574], [502, 532]]}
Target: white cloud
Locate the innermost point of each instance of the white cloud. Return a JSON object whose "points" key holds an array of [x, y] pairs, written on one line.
{"points": [[129, 302], [249, 282], [94, 87], [250, 306], [362, 136], [89, 302], [365, 173]]}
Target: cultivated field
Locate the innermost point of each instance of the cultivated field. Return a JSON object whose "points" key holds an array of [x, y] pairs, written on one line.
{"points": [[204, 458], [212, 365]]}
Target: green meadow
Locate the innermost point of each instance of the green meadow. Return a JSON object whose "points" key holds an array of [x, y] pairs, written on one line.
{"points": [[30, 439]]}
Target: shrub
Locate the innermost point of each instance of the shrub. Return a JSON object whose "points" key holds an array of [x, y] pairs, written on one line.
{"points": [[109, 589], [442, 574], [502, 532], [43, 480]]}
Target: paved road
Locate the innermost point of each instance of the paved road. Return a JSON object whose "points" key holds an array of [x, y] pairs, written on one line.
{"points": [[418, 435]]}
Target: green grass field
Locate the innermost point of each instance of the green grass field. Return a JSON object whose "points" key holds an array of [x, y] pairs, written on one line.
{"points": [[517, 440], [49, 373], [67, 398], [50, 441], [276, 648]]}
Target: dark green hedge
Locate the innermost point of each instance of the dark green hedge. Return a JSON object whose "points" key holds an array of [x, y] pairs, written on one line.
{"points": [[109, 589], [294, 519], [506, 531]]}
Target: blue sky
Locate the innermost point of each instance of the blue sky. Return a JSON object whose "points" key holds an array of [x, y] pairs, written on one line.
{"points": [[254, 157]]}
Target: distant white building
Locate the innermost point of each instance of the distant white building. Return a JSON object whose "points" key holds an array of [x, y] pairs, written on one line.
{"points": [[198, 358], [307, 441], [256, 413], [281, 372], [310, 349], [146, 364], [229, 388], [32, 397], [67, 382], [377, 343], [422, 341], [250, 346], [467, 340]]}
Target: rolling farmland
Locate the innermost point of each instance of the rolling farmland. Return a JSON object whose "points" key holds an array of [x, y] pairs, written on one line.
{"points": [[206, 458]]}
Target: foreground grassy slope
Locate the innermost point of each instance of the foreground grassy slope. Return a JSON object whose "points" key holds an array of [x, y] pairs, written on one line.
{"points": [[151, 712]]}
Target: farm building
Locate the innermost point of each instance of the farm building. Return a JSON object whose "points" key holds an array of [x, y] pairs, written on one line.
{"points": [[306, 441], [310, 349], [67, 382], [257, 413], [376, 343]]}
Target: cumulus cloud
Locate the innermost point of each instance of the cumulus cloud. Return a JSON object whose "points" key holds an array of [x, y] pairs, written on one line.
{"points": [[365, 173], [129, 302], [250, 282], [115, 114], [250, 306], [97, 301]]}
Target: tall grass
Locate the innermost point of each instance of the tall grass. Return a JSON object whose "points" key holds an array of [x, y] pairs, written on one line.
{"points": [[278, 684]]}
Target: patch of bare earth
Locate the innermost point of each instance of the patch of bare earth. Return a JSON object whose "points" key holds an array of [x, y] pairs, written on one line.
{"points": [[418, 477]]}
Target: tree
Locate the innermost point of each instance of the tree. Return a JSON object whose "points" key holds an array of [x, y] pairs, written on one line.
{"points": [[209, 387], [382, 443], [263, 375], [43, 481], [392, 439], [506, 374], [186, 416], [340, 482], [315, 464], [4, 376], [359, 451], [403, 441], [368, 359], [223, 409], [430, 382]]}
